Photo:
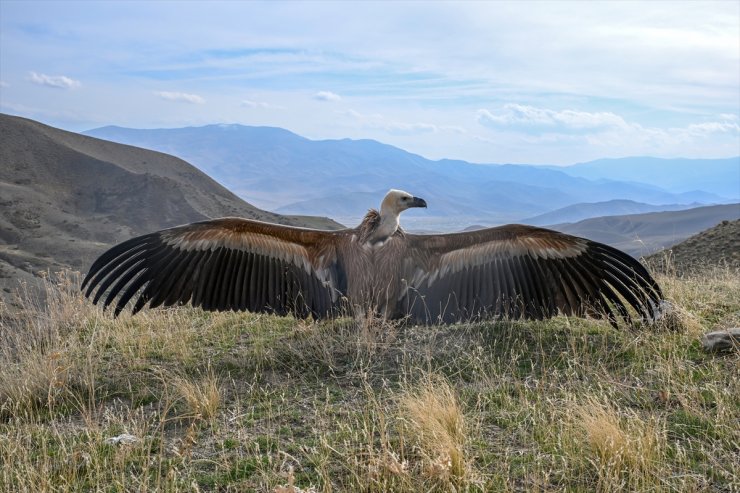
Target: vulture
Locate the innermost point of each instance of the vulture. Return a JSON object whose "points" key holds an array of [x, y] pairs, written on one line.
{"points": [[513, 271]]}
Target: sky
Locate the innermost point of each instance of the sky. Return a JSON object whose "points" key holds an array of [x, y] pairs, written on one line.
{"points": [[490, 82]]}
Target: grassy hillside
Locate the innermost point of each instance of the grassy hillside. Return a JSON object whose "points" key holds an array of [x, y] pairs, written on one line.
{"points": [[243, 402]]}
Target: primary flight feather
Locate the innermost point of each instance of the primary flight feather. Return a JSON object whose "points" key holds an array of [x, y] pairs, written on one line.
{"points": [[512, 271]]}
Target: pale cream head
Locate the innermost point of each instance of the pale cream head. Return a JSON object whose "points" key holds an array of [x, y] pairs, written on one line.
{"points": [[397, 201]]}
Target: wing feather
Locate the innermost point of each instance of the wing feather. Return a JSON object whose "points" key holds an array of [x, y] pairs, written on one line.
{"points": [[131, 290], [519, 271], [158, 286], [223, 264], [178, 287], [104, 264]]}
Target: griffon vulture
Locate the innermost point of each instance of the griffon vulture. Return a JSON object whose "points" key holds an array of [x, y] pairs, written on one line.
{"points": [[512, 271]]}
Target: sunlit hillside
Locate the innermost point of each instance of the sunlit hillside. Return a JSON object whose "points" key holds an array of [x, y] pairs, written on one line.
{"points": [[183, 400]]}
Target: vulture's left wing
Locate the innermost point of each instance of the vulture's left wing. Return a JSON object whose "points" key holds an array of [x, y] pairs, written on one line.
{"points": [[224, 264], [518, 271]]}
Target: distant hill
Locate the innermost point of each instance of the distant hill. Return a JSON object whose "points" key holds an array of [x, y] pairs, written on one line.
{"points": [[279, 170], [65, 197], [719, 245], [643, 234], [718, 176], [579, 212]]}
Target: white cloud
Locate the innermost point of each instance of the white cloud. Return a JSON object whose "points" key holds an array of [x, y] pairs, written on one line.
{"points": [[401, 128], [601, 127], [260, 104], [529, 116], [327, 96], [58, 81], [254, 104], [180, 96], [4, 84], [699, 129], [379, 122]]}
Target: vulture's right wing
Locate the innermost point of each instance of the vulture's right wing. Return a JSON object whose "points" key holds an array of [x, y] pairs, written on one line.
{"points": [[224, 264], [519, 271]]}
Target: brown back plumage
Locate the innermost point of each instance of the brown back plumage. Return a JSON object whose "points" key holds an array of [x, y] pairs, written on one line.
{"points": [[513, 271]]}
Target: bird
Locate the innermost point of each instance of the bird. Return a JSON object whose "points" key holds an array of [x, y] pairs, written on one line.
{"points": [[513, 271]]}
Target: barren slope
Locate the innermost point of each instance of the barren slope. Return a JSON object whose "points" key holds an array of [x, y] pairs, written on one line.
{"points": [[718, 245]]}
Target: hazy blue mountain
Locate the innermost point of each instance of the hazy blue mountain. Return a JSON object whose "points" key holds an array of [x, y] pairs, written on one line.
{"points": [[643, 234], [278, 170], [578, 212], [717, 176]]}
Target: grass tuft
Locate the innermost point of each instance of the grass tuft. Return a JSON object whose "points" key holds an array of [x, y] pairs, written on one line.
{"points": [[624, 451], [202, 395], [436, 424]]}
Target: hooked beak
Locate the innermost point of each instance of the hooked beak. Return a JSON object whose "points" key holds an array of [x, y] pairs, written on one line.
{"points": [[418, 202]]}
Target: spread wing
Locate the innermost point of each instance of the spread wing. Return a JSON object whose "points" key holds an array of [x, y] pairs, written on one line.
{"points": [[518, 271], [223, 264]]}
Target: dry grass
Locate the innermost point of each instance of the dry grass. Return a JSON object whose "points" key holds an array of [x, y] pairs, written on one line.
{"points": [[182, 400], [436, 424], [623, 450], [202, 396]]}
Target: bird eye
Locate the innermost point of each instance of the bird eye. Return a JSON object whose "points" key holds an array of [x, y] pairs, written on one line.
{"points": [[404, 198]]}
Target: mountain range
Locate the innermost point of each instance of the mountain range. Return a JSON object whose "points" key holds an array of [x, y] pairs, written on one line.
{"points": [[278, 170], [718, 176], [578, 212], [643, 234]]}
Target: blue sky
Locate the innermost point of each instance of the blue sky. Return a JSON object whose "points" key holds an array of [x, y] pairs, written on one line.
{"points": [[519, 82]]}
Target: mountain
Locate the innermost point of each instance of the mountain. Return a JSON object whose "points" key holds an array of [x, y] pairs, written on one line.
{"points": [[279, 170], [717, 246], [579, 212], [643, 234], [65, 197], [717, 176]]}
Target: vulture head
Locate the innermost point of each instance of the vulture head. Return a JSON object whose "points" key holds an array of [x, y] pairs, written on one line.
{"points": [[397, 201], [377, 228]]}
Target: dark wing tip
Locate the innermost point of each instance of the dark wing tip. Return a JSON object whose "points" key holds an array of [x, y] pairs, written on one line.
{"points": [[629, 278]]}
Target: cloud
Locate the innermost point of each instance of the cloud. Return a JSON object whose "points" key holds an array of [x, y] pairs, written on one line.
{"points": [[530, 116], [259, 104], [58, 81], [254, 104], [378, 122], [400, 128], [4, 84], [699, 129], [327, 96], [599, 128], [181, 97]]}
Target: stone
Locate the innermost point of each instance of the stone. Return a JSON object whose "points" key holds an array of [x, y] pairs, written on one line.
{"points": [[721, 340], [123, 439]]}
